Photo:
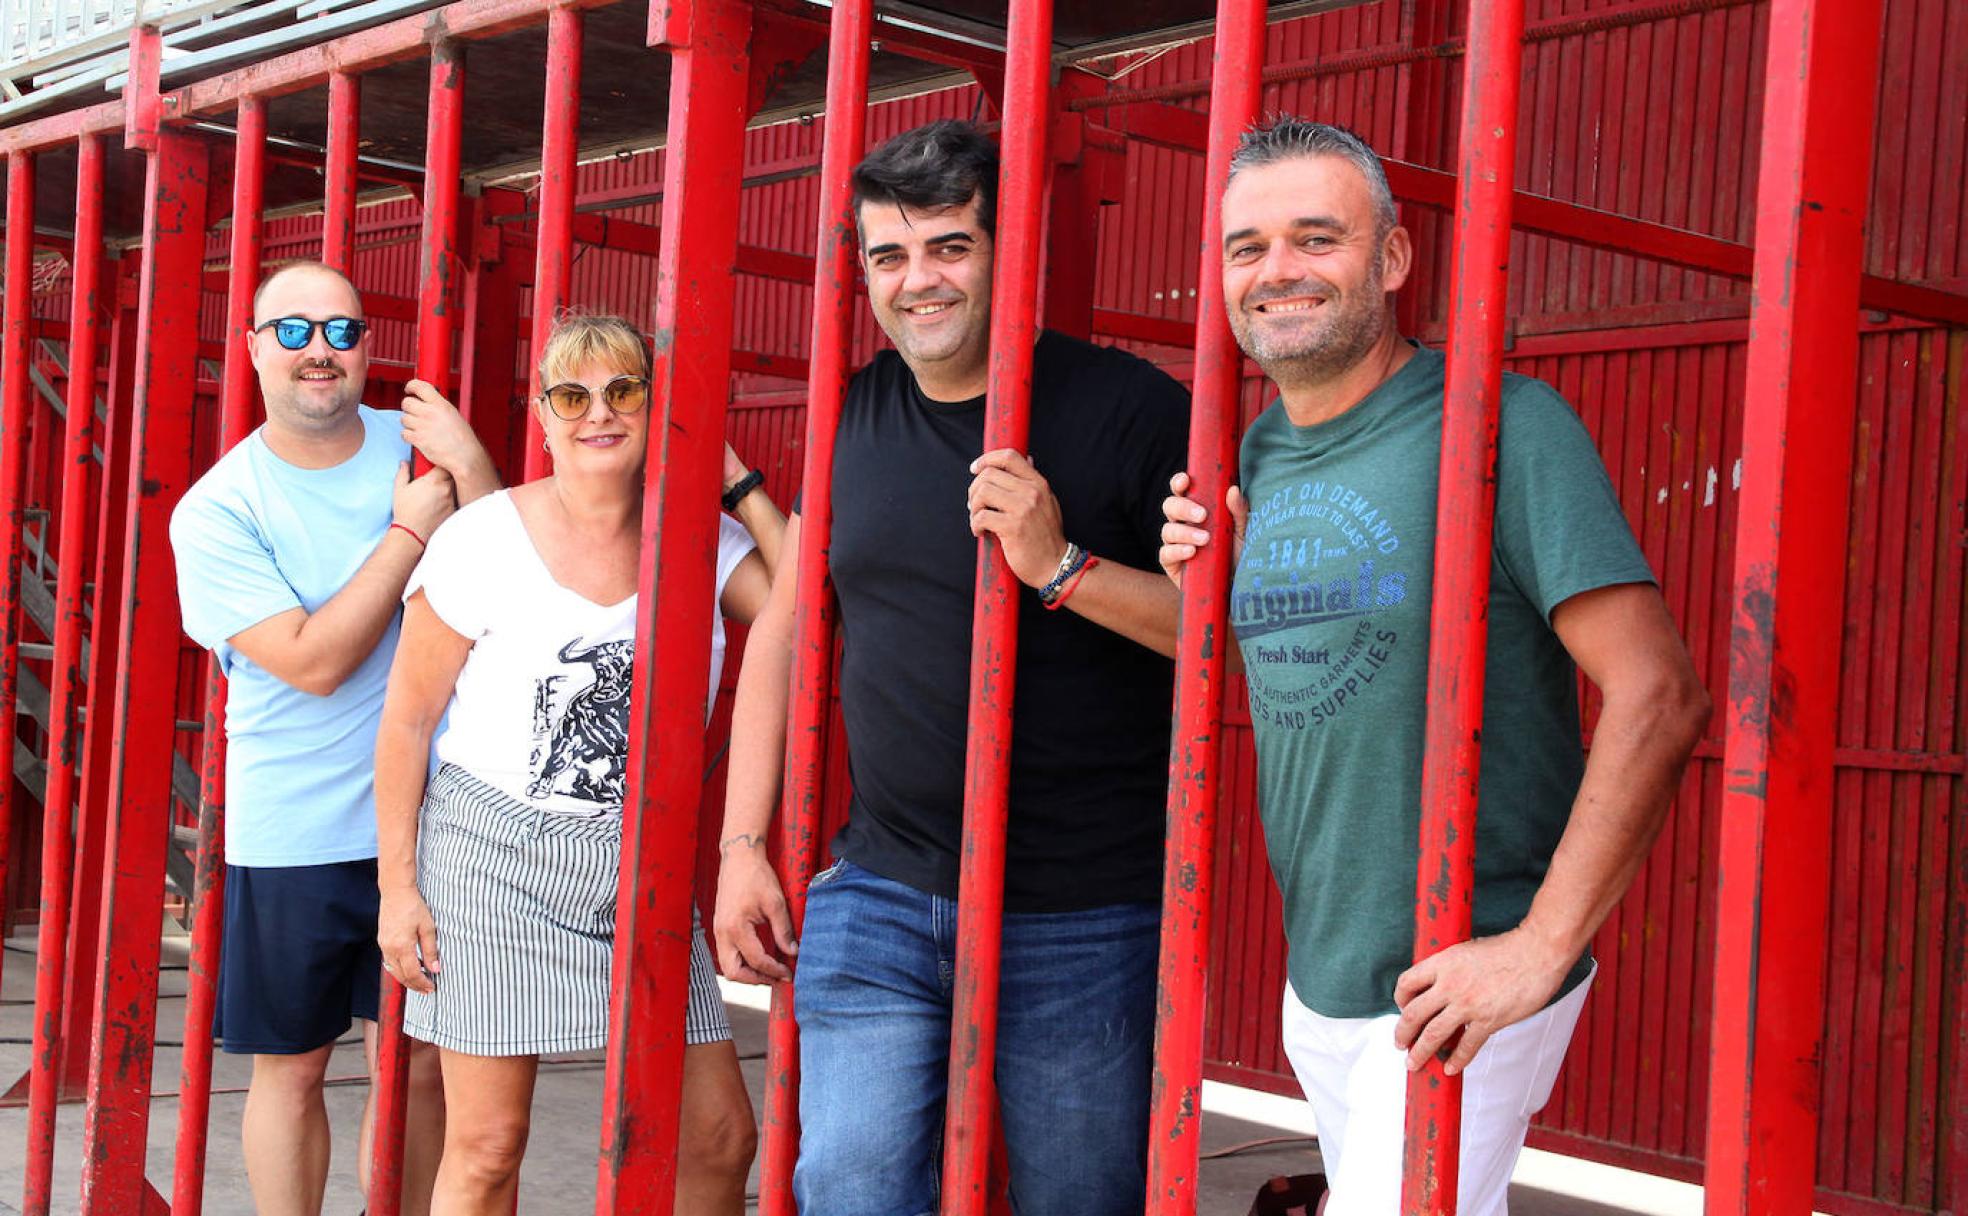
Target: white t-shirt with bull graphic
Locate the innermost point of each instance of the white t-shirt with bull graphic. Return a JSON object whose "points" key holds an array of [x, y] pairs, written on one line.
{"points": [[541, 708]]}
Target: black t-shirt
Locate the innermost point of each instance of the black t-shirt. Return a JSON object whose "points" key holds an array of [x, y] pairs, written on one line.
{"points": [[1090, 738]]}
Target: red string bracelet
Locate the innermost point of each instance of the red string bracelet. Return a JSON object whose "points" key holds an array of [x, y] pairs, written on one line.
{"points": [[1069, 588], [412, 535]]}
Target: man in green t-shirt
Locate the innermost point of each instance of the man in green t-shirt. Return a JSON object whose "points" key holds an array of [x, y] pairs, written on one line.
{"points": [[1335, 530]]}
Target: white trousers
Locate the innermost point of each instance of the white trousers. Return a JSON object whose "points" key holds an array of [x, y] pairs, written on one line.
{"points": [[1356, 1080]]}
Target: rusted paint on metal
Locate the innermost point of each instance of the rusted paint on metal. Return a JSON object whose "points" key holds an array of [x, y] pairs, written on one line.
{"points": [[1188, 897], [691, 377], [16, 387], [970, 1111], [1774, 870], [438, 281], [236, 419], [86, 317], [143, 724], [834, 278], [554, 257], [339, 171], [437, 328], [1458, 619]]}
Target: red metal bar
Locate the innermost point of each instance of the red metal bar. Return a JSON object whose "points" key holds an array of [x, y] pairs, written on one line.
{"points": [[85, 957], [437, 286], [65, 685], [559, 142], [492, 287], [344, 140], [710, 83], [1459, 619], [844, 140], [437, 326], [1202, 642], [236, 418], [144, 723], [16, 388], [994, 648], [1774, 862]]}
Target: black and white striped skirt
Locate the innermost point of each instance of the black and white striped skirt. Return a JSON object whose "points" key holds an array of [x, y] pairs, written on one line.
{"points": [[524, 903]]}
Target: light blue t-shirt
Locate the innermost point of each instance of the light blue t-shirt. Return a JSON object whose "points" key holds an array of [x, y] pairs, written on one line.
{"points": [[255, 537]]}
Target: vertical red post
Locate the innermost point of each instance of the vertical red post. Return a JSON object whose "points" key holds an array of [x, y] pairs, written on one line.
{"points": [[559, 142], [15, 390], [1202, 643], [1774, 865], [437, 326], [143, 721], [437, 285], [492, 287], [344, 143], [710, 78], [236, 386], [64, 722], [1459, 618], [994, 648], [844, 141], [85, 938]]}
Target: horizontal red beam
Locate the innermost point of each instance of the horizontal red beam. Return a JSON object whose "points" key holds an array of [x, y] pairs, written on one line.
{"points": [[1172, 126]]}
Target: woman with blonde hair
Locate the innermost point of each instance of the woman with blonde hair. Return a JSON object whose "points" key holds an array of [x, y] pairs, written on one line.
{"points": [[499, 870]]}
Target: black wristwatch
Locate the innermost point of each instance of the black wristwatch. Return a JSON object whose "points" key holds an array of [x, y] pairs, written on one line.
{"points": [[746, 484]]}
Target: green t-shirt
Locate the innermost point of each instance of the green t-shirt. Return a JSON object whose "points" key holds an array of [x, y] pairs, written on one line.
{"points": [[1331, 605]]}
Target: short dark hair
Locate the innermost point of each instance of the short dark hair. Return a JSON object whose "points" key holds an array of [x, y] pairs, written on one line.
{"points": [[941, 164], [1288, 137]]}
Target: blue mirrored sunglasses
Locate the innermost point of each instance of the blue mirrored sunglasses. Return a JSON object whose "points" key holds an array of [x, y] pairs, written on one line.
{"points": [[294, 333]]}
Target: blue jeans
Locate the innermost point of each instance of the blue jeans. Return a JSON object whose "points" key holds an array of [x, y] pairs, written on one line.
{"points": [[1076, 1019]]}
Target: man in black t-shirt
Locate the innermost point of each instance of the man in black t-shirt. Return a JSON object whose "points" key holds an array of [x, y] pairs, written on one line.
{"points": [[1078, 517]]}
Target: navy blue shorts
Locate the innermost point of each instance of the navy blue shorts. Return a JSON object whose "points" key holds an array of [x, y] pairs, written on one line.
{"points": [[299, 961]]}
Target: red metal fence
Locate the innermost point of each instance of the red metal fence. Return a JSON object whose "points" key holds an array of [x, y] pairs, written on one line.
{"points": [[1651, 109]]}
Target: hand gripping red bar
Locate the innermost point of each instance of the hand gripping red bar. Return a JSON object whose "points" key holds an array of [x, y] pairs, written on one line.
{"points": [[994, 649], [843, 143], [1202, 642], [559, 142], [437, 325], [1773, 865], [236, 387], [1459, 617], [86, 307]]}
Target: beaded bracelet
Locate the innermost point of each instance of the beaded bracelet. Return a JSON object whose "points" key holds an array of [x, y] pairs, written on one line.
{"points": [[1072, 585], [1069, 565]]}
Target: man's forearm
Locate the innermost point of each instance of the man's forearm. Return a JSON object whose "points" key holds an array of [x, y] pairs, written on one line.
{"points": [[340, 635], [1639, 750], [1136, 604]]}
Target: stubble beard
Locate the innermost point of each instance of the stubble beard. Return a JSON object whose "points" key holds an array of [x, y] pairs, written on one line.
{"points": [[945, 349], [302, 410], [1350, 330]]}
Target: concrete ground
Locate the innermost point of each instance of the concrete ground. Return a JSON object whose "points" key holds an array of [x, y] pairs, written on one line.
{"points": [[1259, 1136]]}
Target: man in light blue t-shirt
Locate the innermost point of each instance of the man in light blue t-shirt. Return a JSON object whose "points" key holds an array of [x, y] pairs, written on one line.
{"points": [[292, 553]]}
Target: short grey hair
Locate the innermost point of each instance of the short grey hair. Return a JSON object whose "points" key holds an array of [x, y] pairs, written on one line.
{"points": [[1287, 137]]}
